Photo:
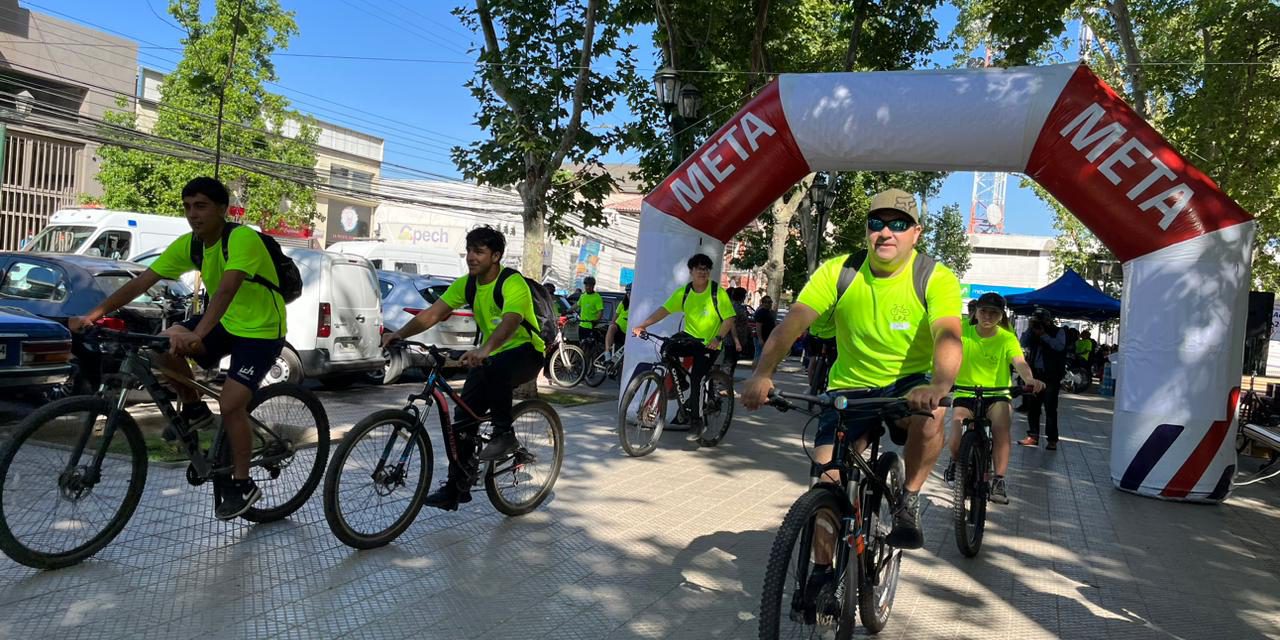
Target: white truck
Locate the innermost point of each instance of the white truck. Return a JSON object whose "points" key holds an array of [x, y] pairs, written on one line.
{"points": [[119, 235], [436, 262]]}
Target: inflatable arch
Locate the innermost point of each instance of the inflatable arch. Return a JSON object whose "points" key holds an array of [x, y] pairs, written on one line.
{"points": [[1185, 245]]}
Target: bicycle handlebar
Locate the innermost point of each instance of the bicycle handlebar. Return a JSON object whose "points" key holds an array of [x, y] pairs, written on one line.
{"points": [[127, 338], [782, 400], [983, 392], [437, 354]]}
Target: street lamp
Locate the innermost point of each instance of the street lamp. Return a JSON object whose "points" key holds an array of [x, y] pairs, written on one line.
{"points": [[681, 103], [822, 196]]}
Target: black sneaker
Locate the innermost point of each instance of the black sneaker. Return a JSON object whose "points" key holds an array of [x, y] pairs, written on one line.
{"points": [[906, 532], [237, 498], [949, 476], [695, 430], [447, 497], [822, 578], [999, 493], [198, 417], [501, 445]]}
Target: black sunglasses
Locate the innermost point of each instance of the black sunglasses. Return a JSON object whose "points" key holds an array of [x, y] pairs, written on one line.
{"points": [[897, 225]]}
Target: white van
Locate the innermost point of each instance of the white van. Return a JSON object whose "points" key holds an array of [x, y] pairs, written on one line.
{"points": [[119, 235], [335, 326], [423, 261]]}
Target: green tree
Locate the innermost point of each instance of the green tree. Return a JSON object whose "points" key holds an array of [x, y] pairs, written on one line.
{"points": [[266, 170], [1202, 73], [946, 240], [537, 84]]}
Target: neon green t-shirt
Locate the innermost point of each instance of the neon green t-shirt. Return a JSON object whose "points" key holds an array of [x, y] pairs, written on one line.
{"points": [[883, 333], [986, 360], [700, 318], [620, 317], [825, 326], [590, 308], [1083, 348], [516, 298], [256, 311]]}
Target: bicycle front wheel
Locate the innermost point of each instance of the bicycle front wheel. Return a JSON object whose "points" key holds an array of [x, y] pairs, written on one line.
{"points": [[53, 512], [378, 479], [520, 483], [793, 604], [568, 365], [717, 408], [969, 495], [881, 563], [290, 449], [642, 414], [598, 371]]}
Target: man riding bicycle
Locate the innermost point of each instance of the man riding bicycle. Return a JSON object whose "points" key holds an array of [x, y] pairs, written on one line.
{"points": [[897, 316], [590, 307], [245, 319], [708, 316], [509, 356]]}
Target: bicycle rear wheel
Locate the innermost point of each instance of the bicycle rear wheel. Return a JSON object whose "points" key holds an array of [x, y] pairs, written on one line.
{"points": [[290, 449], [370, 495], [790, 605], [969, 495], [520, 483], [568, 365], [52, 517], [642, 414], [881, 563], [717, 408], [597, 372]]}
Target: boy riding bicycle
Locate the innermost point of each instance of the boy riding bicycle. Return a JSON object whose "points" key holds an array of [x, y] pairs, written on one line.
{"points": [[245, 319], [509, 356], [709, 317], [590, 308]]}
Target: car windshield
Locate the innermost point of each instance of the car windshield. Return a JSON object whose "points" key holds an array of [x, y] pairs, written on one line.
{"points": [[159, 292], [60, 239]]}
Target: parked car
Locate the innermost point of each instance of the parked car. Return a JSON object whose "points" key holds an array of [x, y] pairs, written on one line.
{"points": [[406, 258], [57, 287], [35, 353], [403, 296], [335, 326]]}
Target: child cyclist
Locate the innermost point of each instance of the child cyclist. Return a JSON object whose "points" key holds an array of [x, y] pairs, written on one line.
{"points": [[990, 347]]}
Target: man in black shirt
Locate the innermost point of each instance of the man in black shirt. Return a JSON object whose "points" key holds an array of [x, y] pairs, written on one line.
{"points": [[766, 318]]}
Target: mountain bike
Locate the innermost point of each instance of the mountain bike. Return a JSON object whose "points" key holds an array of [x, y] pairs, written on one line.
{"points": [[975, 469], [381, 471], [566, 364], [853, 517], [602, 369], [73, 471], [821, 369], [642, 415]]}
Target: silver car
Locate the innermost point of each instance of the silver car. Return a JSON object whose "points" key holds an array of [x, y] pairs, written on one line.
{"points": [[403, 296]]}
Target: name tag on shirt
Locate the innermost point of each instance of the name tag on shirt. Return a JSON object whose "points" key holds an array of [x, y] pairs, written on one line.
{"points": [[900, 326]]}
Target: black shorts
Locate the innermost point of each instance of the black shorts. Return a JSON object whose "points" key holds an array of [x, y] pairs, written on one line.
{"points": [[862, 422], [251, 358], [972, 404]]}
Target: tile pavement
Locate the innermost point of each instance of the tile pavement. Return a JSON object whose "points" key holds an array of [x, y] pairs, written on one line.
{"points": [[671, 546]]}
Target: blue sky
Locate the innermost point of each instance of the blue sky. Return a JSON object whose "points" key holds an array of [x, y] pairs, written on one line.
{"points": [[420, 108]]}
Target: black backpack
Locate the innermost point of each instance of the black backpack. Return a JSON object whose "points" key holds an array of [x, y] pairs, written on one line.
{"points": [[290, 287], [544, 306], [922, 269]]}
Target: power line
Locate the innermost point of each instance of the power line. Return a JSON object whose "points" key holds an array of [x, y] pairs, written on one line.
{"points": [[403, 26]]}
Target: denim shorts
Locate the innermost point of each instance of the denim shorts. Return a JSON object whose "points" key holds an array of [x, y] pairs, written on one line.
{"points": [[862, 422]]}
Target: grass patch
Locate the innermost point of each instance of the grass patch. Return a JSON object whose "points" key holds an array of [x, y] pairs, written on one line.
{"points": [[569, 399], [158, 450]]}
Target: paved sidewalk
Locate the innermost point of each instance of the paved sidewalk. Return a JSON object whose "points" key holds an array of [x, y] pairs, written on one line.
{"points": [[673, 546]]}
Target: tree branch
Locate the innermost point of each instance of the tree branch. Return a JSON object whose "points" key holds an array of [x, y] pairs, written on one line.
{"points": [[1119, 10], [493, 51], [855, 35], [664, 19], [759, 64], [579, 93]]}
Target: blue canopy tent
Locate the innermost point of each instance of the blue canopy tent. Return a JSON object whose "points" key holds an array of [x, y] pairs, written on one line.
{"points": [[1068, 297]]}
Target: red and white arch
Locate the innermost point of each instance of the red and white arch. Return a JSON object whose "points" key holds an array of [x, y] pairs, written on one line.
{"points": [[1185, 245]]}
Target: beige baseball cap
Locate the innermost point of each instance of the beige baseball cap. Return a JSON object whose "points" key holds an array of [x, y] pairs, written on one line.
{"points": [[895, 200]]}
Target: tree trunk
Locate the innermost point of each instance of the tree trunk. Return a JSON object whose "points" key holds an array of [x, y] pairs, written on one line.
{"points": [[535, 239], [1119, 10], [855, 35], [783, 212]]}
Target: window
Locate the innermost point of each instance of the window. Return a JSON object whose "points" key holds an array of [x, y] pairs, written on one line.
{"points": [[407, 267], [158, 293], [341, 177], [29, 281], [60, 239], [386, 288], [111, 244]]}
